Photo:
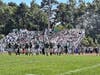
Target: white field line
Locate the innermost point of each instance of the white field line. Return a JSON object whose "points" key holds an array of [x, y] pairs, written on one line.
{"points": [[30, 74], [79, 70]]}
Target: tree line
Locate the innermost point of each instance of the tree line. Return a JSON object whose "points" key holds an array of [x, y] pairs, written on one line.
{"points": [[72, 14]]}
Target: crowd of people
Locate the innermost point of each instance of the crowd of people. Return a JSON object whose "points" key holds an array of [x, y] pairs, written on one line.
{"points": [[30, 43]]}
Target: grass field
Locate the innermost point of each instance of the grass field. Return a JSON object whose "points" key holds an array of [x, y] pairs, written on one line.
{"points": [[49, 65]]}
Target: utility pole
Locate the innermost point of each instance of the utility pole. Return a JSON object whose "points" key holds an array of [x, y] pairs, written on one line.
{"points": [[47, 30], [49, 15]]}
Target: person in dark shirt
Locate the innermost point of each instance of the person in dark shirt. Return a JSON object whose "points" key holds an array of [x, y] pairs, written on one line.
{"points": [[18, 51], [43, 49], [36, 48], [96, 50], [15, 47], [26, 47], [66, 50], [47, 48], [30, 48], [9, 48], [58, 47], [30, 45], [51, 47]]}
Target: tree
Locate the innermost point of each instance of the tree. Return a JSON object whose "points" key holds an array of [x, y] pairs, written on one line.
{"points": [[9, 26], [82, 8], [47, 6], [12, 4], [1, 3], [37, 17], [61, 14], [21, 15]]}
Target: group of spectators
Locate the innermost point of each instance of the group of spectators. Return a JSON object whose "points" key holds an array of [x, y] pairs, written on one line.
{"points": [[30, 43]]}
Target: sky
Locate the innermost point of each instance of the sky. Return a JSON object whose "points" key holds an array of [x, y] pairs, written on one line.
{"points": [[37, 1]]}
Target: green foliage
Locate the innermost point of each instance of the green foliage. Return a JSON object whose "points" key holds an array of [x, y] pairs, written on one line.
{"points": [[1, 36], [85, 42], [69, 26], [98, 39], [58, 28], [36, 16], [88, 41], [9, 26]]}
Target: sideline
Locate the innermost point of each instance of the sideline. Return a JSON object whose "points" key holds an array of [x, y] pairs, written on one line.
{"points": [[78, 70], [30, 74]]}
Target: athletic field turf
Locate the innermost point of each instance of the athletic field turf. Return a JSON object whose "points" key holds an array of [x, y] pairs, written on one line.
{"points": [[49, 65]]}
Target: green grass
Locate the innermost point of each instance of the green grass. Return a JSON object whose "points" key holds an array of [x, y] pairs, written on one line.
{"points": [[48, 65]]}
